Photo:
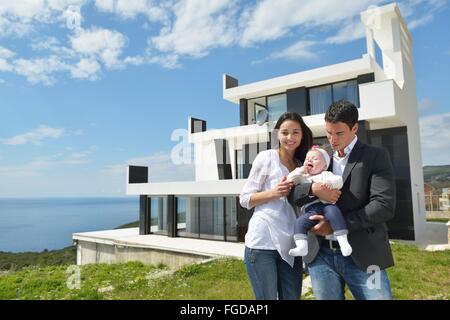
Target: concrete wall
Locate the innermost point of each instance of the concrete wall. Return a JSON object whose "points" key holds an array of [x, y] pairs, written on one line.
{"points": [[91, 252]]}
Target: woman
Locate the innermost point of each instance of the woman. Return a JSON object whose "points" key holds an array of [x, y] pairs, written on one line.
{"points": [[273, 273]]}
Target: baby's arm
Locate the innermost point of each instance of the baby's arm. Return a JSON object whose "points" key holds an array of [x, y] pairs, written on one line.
{"points": [[297, 175], [333, 181]]}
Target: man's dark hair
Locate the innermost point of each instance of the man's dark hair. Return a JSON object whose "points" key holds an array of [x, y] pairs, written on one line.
{"points": [[342, 111]]}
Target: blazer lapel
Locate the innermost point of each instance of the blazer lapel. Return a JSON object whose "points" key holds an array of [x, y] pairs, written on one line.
{"points": [[354, 157]]}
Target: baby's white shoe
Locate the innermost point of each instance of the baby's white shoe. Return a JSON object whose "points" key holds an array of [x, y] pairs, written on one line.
{"points": [[346, 248], [301, 249]]}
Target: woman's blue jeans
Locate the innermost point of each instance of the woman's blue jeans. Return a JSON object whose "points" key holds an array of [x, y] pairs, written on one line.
{"points": [[271, 277]]}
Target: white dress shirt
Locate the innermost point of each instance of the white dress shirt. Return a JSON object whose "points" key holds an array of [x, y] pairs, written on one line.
{"points": [[339, 163], [271, 226]]}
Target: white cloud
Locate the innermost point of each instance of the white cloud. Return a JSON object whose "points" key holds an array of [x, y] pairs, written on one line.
{"points": [[5, 65], [129, 9], [5, 53], [105, 44], [435, 138], [181, 28], [86, 69], [38, 135], [300, 50], [18, 18], [420, 12], [37, 166], [40, 70], [427, 104], [161, 168], [273, 19], [353, 29], [197, 28]]}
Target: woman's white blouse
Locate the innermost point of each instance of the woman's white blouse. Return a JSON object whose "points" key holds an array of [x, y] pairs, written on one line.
{"points": [[271, 226]]}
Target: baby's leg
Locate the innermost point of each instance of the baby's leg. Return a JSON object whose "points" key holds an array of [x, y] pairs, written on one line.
{"points": [[334, 215], [302, 225]]}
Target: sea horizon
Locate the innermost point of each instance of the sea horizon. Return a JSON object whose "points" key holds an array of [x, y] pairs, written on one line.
{"points": [[33, 224]]}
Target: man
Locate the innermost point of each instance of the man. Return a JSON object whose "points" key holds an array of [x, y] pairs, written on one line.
{"points": [[367, 201]]}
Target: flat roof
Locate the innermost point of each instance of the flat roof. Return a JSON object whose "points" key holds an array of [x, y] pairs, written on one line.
{"points": [[310, 78]]}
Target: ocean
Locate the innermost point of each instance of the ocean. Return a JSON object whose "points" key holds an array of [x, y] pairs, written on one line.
{"points": [[48, 223]]}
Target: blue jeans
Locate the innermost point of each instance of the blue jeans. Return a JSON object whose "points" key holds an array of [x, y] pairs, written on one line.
{"points": [[331, 213], [271, 277], [330, 271]]}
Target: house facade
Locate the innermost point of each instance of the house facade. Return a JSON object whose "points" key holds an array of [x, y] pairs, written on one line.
{"points": [[381, 84]]}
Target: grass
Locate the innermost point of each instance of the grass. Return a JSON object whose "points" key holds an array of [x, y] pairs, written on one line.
{"points": [[416, 275], [444, 220]]}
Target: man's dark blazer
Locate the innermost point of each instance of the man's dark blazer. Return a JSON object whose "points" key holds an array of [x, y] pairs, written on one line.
{"points": [[367, 202]]}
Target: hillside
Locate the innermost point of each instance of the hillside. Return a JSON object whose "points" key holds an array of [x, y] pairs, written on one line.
{"points": [[437, 176], [17, 261]]}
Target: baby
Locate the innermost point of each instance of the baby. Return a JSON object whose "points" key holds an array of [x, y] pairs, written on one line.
{"points": [[314, 170]]}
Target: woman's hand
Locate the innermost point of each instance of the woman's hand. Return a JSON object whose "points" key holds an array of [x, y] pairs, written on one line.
{"points": [[324, 193], [283, 188]]}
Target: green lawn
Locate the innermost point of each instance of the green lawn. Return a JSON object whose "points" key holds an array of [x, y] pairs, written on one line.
{"points": [[444, 220], [417, 275]]}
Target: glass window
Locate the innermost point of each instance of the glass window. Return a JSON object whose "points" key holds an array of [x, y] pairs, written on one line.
{"points": [[181, 214], [187, 217], [240, 164], [320, 99], [255, 105], [277, 105], [231, 219], [347, 90], [211, 218], [158, 209]]}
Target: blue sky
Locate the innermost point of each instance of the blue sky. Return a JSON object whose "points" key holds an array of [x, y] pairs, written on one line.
{"points": [[88, 86]]}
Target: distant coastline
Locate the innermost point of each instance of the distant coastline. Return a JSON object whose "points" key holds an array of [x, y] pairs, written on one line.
{"points": [[38, 224]]}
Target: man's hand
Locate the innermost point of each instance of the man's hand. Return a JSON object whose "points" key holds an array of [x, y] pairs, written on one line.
{"points": [[323, 228], [321, 191]]}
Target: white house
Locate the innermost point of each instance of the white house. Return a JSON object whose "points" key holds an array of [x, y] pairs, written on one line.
{"points": [[381, 84]]}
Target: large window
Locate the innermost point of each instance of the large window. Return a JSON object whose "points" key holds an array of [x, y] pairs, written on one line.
{"points": [[321, 97], [273, 106], [255, 106], [211, 218], [187, 217], [207, 217], [158, 212], [240, 161], [277, 105], [231, 219]]}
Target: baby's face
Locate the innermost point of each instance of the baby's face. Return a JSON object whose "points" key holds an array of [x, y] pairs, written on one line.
{"points": [[314, 162]]}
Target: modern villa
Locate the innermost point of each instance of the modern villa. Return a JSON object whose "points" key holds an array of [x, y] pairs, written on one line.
{"points": [[381, 84]]}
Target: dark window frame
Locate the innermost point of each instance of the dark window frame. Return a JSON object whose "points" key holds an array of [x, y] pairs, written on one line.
{"points": [[332, 92]]}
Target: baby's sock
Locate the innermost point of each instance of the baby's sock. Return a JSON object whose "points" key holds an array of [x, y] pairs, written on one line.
{"points": [[301, 249], [346, 248]]}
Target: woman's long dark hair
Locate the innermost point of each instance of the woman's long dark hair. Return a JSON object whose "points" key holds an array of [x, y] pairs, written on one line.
{"points": [[307, 136]]}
